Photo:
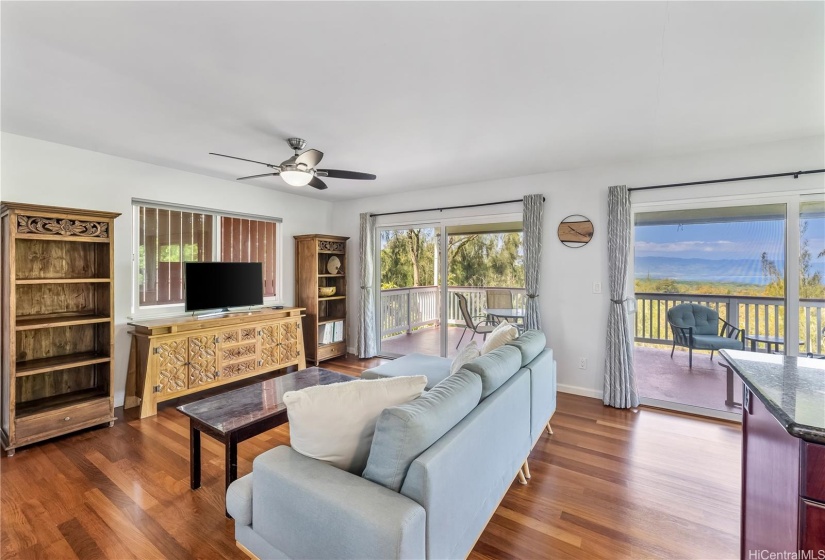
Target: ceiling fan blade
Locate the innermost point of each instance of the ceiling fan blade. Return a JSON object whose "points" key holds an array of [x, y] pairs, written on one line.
{"points": [[242, 159], [310, 158], [317, 183], [339, 174], [261, 175]]}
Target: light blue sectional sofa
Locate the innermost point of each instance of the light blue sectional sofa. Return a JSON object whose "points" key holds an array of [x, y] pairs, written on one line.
{"points": [[437, 470]]}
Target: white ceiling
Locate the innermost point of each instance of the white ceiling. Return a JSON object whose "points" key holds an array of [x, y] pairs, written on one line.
{"points": [[421, 94]]}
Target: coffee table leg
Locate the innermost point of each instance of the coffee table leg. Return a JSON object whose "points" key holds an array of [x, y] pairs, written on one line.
{"points": [[231, 459], [194, 456], [231, 463]]}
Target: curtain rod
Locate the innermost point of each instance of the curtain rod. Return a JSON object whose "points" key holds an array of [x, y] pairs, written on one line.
{"points": [[795, 174], [451, 207]]}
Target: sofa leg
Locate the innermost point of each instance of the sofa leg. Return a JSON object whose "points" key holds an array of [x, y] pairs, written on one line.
{"points": [[521, 478], [549, 429], [690, 357], [711, 355], [525, 468]]}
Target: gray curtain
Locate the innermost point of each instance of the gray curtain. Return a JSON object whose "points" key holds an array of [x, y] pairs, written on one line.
{"points": [[366, 318], [533, 210], [619, 378]]}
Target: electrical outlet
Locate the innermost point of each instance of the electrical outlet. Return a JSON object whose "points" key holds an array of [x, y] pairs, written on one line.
{"points": [[597, 287], [582, 363]]}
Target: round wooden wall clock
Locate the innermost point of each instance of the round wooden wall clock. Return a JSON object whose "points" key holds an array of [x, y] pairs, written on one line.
{"points": [[575, 231]]}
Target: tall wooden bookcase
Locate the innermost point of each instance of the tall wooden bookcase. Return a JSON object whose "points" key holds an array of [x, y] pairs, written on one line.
{"points": [[57, 321], [312, 257]]}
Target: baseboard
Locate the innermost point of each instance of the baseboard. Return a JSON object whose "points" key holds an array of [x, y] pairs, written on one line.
{"points": [[581, 391], [692, 410]]}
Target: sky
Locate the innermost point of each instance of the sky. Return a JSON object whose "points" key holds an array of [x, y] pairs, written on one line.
{"points": [[734, 240]]}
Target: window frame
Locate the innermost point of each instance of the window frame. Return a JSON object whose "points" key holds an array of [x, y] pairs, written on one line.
{"points": [[169, 309]]}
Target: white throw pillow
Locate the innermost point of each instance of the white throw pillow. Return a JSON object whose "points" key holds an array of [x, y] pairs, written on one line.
{"points": [[500, 336], [335, 423], [467, 354]]}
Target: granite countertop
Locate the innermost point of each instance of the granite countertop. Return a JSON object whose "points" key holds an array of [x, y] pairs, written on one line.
{"points": [[791, 388]]}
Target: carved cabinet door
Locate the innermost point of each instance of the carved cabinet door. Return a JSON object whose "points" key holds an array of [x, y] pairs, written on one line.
{"points": [[270, 342], [172, 366], [203, 359], [288, 348]]}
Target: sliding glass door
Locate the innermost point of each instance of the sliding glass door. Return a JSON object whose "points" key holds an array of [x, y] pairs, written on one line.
{"points": [[410, 295], [759, 268], [438, 281], [812, 276]]}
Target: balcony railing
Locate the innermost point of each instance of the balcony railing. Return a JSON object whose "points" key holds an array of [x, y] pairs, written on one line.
{"points": [[404, 310], [755, 315]]}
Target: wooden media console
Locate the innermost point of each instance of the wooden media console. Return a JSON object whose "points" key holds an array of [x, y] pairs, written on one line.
{"points": [[170, 358]]}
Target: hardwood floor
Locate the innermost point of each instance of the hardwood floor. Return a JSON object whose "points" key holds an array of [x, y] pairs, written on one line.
{"points": [[608, 484]]}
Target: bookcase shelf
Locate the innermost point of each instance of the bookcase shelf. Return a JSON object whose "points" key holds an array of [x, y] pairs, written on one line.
{"points": [[60, 262], [54, 363], [38, 281], [64, 401], [58, 320], [314, 254]]}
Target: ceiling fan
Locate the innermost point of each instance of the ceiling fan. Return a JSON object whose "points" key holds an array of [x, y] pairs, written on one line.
{"points": [[299, 170]]}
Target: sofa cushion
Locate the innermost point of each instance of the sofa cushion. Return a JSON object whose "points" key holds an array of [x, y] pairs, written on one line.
{"points": [[405, 431], [468, 353], [501, 335], [495, 368], [335, 423], [530, 344], [433, 367], [714, 342]]}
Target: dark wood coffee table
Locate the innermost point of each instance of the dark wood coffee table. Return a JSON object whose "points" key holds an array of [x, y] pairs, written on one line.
{"points": [[244, 413]]}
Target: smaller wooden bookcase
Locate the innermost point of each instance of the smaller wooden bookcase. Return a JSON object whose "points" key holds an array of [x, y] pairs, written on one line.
{"points": [[57, 321], [321, 262]]}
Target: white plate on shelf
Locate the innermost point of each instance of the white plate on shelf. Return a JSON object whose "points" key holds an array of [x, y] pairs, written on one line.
{"points": [[334, 265]]}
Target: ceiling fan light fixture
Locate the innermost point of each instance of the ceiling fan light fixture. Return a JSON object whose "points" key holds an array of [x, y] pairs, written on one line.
{"points": [[296, 178]]}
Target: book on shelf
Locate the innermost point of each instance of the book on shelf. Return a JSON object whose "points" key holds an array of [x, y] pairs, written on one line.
{"points": [[325, 334], [338, 331]]}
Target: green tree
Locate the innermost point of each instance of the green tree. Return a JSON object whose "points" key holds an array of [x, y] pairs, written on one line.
{"points": [[810, 281]]}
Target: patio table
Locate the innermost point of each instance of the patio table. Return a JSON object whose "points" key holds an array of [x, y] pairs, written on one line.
{"points": [[768, 341], [507, 314]]}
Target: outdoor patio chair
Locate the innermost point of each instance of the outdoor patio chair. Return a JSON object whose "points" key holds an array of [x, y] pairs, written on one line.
{"points": [[482, 327], [695, 326]]}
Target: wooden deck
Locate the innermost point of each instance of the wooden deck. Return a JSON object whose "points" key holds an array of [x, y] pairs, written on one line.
{"points": [[669, 379], [427, 341]]}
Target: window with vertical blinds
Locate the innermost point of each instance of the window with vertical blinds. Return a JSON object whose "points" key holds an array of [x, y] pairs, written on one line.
{"points": [[245, 240], [166, 238]]}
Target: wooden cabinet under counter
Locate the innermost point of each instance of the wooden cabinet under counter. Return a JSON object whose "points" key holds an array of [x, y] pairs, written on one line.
{"points": [[175, 357], [783, 455]]}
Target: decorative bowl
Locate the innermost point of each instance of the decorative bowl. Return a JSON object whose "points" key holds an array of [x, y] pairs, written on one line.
{"points": [[326, 291]]}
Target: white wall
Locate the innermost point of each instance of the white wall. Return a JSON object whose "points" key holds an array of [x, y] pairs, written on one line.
{"points": [[41, 172], [574, 318]]}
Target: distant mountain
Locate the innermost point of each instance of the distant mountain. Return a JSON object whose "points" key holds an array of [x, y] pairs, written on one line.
{"points": [[740, 271]]}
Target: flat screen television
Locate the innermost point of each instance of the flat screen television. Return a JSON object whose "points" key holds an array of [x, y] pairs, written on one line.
{"points": [[221, 285]]}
